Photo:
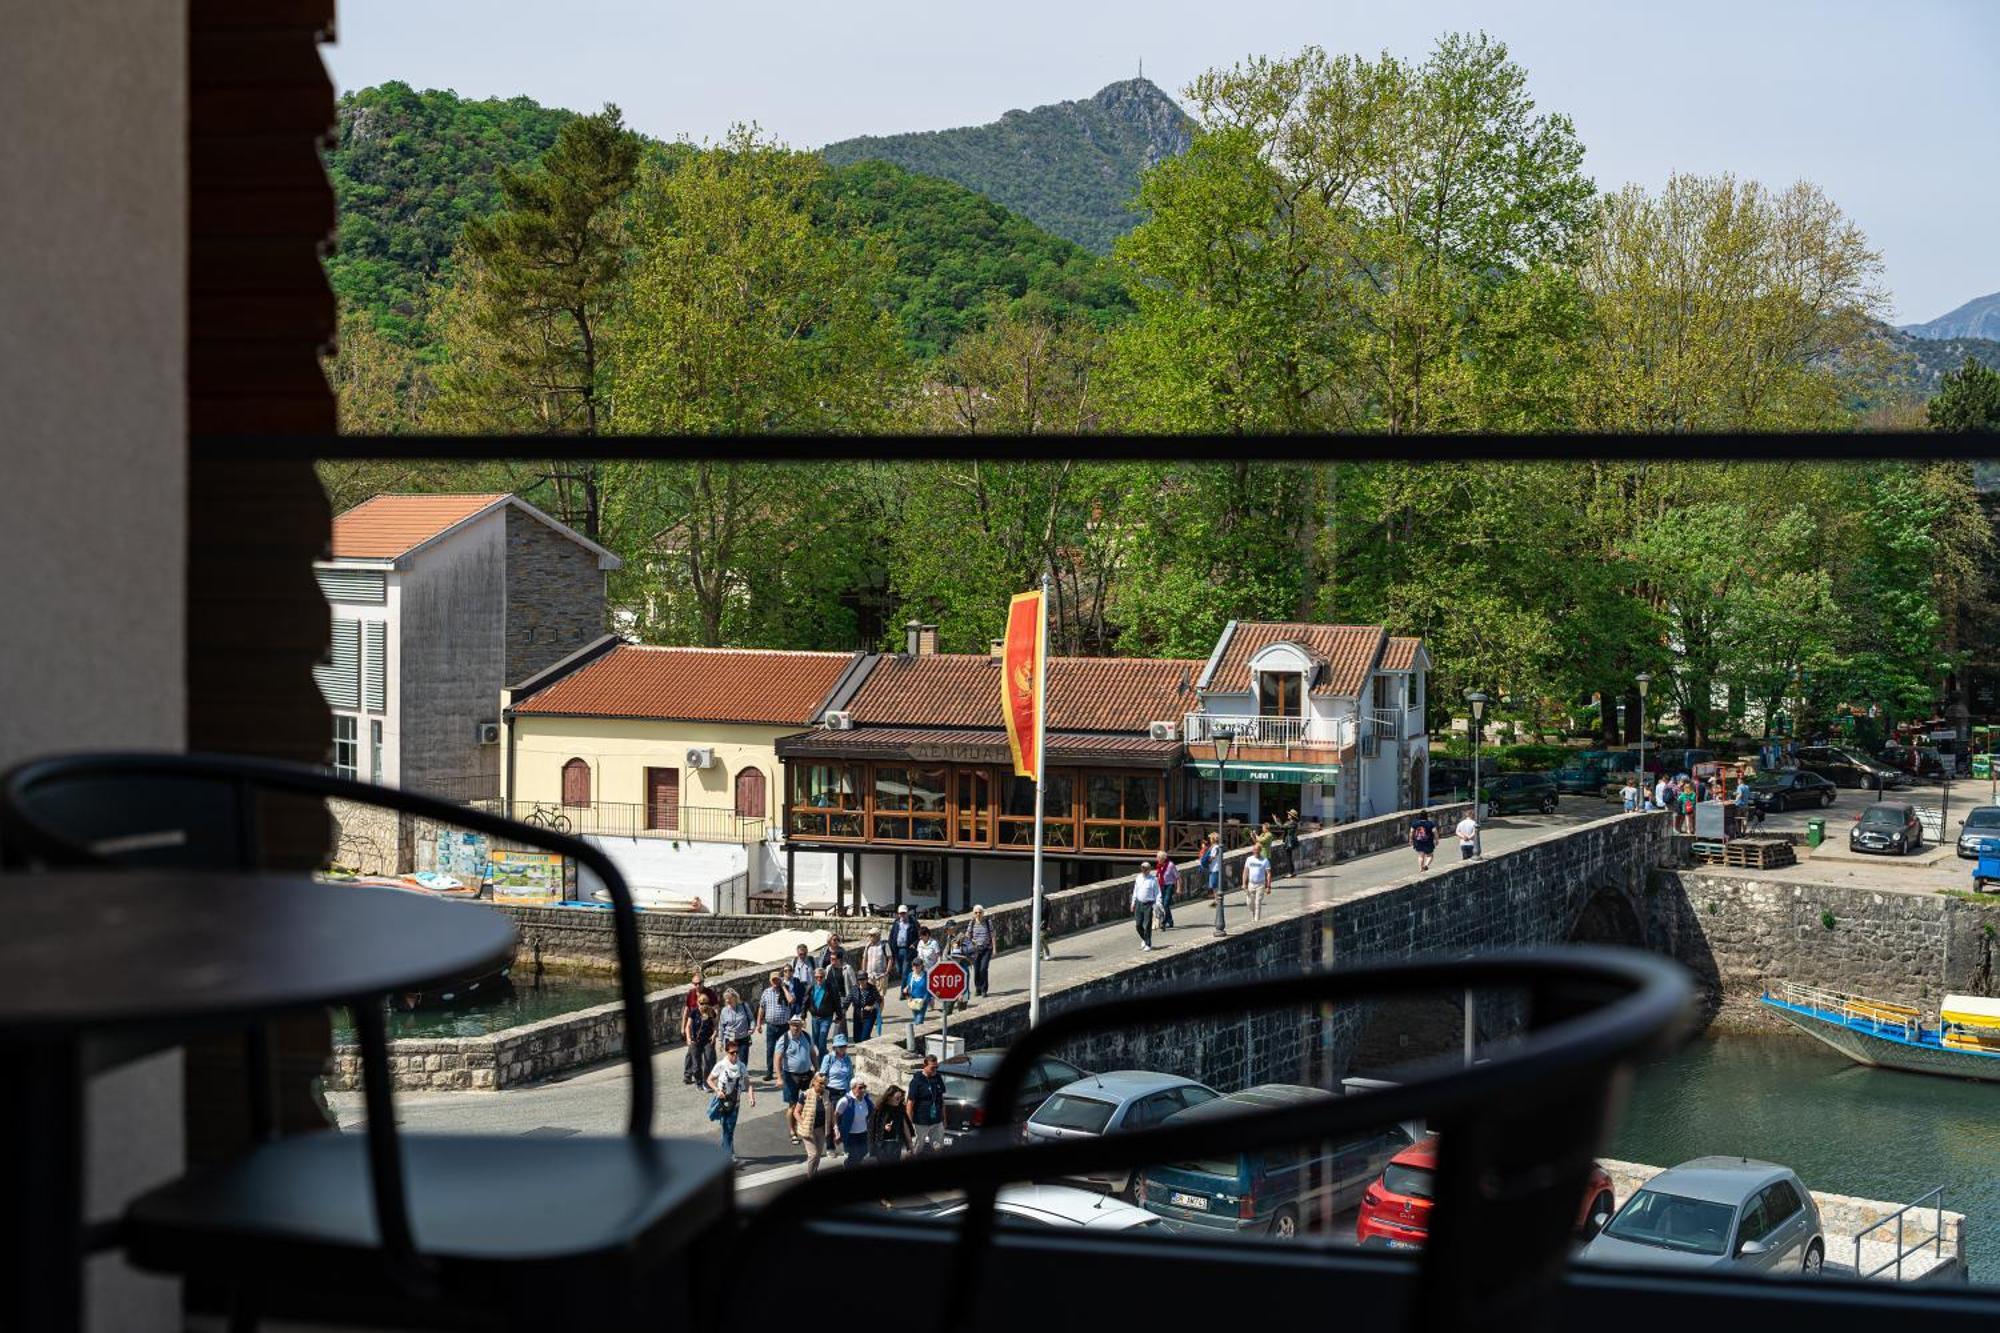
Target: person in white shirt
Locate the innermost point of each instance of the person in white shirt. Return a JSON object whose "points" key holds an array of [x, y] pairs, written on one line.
{"points": [[730, 1082], [1660, 793], [1145, 892], [1468, 838], [1629, 794], [1257, 881]]}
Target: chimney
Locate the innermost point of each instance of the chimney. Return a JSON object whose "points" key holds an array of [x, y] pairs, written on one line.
{"points": [[911, 631], [926, 640], [999, 649]]}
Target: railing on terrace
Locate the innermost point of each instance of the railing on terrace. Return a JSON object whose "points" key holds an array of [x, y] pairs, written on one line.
{"points": [[1288, 732], [630, 819], [1933, 1198], [1884, 1017]]}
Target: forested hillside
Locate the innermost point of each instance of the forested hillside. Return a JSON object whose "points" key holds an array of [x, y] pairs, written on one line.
{"points": [[1073, 167]]}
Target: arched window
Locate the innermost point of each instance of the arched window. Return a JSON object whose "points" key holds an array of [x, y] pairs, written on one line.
{"points": [[576, 783], [750, 793]]}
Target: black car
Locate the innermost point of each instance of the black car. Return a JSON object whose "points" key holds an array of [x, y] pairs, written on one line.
{"points": [[1890, 826], [965, 1078], [1582, 777], [1450, 779], [1520, 791], [1921, 762], [1791, 787], [1845, 768]]}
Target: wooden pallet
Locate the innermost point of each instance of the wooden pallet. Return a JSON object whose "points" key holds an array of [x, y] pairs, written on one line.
{"points": [[1759, 853], [1709, 853]]}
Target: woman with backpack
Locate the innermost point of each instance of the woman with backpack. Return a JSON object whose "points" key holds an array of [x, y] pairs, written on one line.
{"points": [[978, 945], [730, 1082], [811, 1119]]}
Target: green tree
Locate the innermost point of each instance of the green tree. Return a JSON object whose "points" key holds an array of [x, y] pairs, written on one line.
{"points": [[1967, 400], [1021, 374]]}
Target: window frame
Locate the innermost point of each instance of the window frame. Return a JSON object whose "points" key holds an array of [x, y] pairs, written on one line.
{"points": [[576, 764], [350, 743]]}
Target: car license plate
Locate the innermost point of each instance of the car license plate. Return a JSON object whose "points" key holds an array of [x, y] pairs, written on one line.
{"points": [[1196, 1201]]}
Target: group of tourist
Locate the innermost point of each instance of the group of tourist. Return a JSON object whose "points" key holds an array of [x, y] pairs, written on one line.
{"points": [[1680, 794]]}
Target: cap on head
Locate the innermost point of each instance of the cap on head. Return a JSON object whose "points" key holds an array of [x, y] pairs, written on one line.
{"points": [[797, 1021], [839, 1039], [902, 909]]}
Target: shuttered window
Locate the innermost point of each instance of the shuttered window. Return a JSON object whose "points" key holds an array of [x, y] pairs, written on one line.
{"points": [[353, 585], [576, 783], [340, 677], [375, 666], [750, 793]]}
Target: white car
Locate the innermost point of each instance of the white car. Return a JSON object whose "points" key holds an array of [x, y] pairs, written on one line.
{"points": [[1061, 1206]]}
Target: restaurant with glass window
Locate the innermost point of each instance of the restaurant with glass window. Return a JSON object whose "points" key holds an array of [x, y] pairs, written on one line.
{"points": [[936, 819]]}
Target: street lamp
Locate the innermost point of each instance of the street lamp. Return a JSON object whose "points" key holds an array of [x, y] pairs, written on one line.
{"points": [[1478, 702], [1645, 787], [1222, 740]]}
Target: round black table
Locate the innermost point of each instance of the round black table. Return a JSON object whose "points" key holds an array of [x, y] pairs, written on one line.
{"points": [[89, 951]]}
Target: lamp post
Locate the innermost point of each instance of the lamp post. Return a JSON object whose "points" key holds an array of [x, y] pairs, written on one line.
{"points": [[1645, 785], [1478, 703], [1222, 740]]}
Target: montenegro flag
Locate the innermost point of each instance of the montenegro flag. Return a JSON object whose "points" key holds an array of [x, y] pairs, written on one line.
{"points": [[1021, 678]]}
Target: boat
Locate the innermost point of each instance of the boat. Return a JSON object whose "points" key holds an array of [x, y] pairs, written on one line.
{"points": [[1962, 1041]]}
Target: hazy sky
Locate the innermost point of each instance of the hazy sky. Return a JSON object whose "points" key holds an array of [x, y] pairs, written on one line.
{"points": [[1891, 105]]}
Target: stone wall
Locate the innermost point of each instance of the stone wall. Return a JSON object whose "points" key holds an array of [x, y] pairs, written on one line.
{"points": [[1738, 934], [370, 839], [555, 596], [578, 939]]}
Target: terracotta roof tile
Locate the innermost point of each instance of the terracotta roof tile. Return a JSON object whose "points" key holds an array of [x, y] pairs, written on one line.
{"points": [[1084, 693], [385, 526], [1401, 654], [1349, 651], [753, 685]]}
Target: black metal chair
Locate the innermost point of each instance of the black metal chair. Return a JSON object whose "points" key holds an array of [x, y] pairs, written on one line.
{"points": [[451, 1230]]}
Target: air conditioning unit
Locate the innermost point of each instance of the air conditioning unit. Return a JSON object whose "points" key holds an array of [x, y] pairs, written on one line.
{"points": [[700, 756], [489, 733], [839, 720], [1163, 731]]}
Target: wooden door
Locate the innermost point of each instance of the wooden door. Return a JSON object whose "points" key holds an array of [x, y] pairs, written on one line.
{"points": [[663, 799], [750, 793]]}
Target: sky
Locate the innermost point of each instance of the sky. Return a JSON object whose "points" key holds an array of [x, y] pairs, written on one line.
{"points": [[1891, 106]]}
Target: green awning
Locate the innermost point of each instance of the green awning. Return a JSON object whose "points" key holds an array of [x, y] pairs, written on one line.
{"points": [[1267, 772]]}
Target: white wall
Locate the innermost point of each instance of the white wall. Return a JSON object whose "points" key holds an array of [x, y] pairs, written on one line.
{"points": [[93, 518], [656, 868]]}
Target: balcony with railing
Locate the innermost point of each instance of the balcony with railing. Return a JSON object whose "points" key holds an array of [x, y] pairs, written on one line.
{"points": [[1265, 739], [632, 819]]}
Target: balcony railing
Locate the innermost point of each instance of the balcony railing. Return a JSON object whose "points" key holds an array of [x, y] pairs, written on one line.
{"points": [[1284, 732], [630, 819]]}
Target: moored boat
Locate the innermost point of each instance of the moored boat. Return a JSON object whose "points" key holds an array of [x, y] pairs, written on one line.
{"points": [[1962, 1041]]}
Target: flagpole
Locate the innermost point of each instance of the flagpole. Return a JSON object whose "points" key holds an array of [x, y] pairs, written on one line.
{"points": [[1041, 784]]}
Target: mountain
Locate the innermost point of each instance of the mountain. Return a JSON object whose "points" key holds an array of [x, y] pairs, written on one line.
{"points": [[1073, 167], [1924, 358], [409, 168], [1975, 319]]}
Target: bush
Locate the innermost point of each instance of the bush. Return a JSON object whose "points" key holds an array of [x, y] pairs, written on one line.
{"points": [[1527, 758]]}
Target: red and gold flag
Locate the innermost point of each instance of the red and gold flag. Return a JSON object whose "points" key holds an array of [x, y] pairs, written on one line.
{"points": [[1021, 678]]}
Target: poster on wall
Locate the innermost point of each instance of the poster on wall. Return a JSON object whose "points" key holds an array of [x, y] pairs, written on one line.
{"points": [[526, 874], [462, 855]]}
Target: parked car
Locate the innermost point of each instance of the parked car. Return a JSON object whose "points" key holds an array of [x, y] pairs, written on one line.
{"points": [[1580, 777], [1891, 826], [1782, 789], [966, 1076], [1981, 823], [1845, 768], [1397, 1207], [1450, 778], [1057, 1207], [1717, 1212], [1921, 762], [1106, 1103], [1519, 791], [1272, 1191], [1674, 760]]}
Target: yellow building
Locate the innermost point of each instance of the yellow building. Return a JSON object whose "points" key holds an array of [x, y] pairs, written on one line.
{"points": [[665, 757]]}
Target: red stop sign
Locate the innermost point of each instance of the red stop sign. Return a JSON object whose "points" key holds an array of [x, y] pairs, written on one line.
{"points": [[948, 981]]}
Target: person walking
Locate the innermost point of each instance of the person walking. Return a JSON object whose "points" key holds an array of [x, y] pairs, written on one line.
{"points": [[889, 1135], [929, 949], [1145, 893], [698, 991], [822, 1006], [798, 1064], [851, 1117], [730, 1082], [812, 1120], [1289, 830], [1468, 837], [800, 978], [903, 945], [876, 959], [841, 976], [774, 1007], [733, 1022], [838, 1066], [1210, 863], [978, 942], [926, 1102], [1257, 880], [1629, 796], [917, 991], [1169, 876], [699, 1033], [867, 1008], [1424, 838]]}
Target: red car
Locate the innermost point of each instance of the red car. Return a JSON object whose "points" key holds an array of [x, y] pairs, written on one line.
{"points": [[1396, 1209]]}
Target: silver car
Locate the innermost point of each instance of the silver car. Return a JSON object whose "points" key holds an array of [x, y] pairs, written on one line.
{"points": [[1717, 1212], [1108, 1102], [1982, 823]]}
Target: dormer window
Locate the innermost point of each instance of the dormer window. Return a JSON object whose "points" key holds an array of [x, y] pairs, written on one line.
{"points": [[1280, 694]]}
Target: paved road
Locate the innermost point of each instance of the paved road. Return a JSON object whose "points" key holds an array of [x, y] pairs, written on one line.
{"points": [[594, 1102]]}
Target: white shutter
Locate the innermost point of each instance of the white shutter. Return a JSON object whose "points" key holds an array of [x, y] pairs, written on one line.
{"points": [[340, 677], [353, 585], [375, 667]]}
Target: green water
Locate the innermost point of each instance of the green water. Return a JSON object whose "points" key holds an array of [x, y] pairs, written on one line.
{"points": [[1845, 1128], [529, 999]]}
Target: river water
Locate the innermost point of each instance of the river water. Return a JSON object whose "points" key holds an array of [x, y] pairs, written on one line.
{"points": [[527, 1000], [1845, 1128]]}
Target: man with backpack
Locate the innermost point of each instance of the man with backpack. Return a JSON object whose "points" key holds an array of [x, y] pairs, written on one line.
{"points": [[798, 1058], [851, 1115], [903, 944], [823, 1005]]}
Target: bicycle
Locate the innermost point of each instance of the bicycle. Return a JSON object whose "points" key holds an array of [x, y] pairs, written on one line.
{"points": [[548, 817]]}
